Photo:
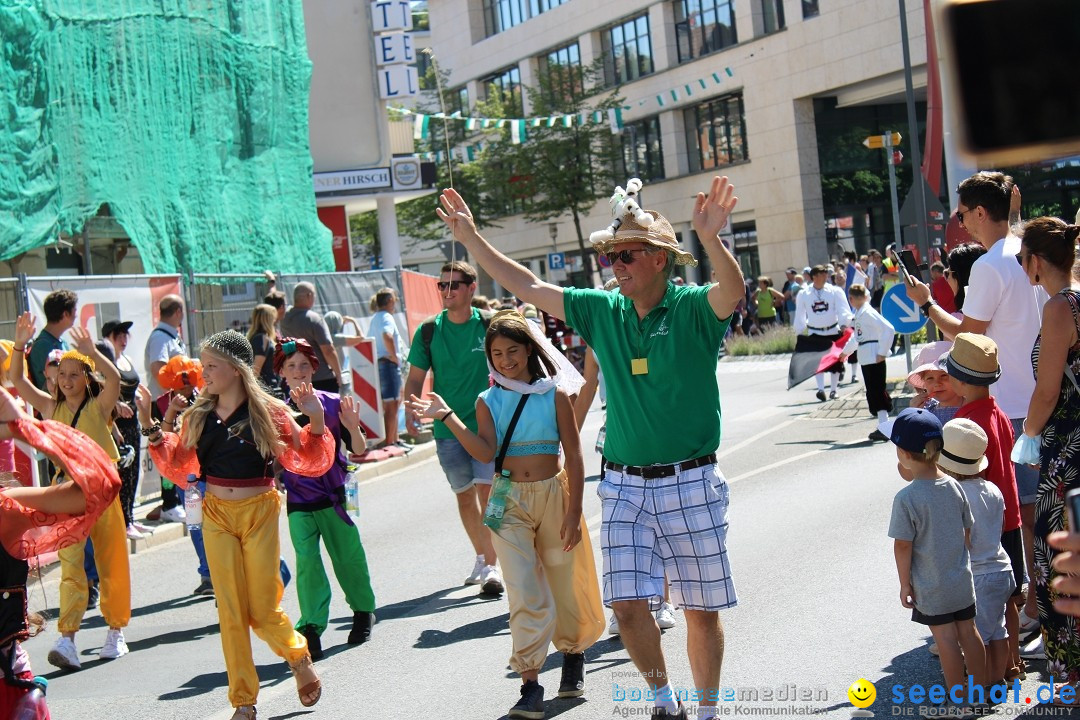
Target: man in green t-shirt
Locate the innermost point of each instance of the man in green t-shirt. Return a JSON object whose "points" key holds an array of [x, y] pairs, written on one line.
{"points": [[455, 356], [664, 501]]}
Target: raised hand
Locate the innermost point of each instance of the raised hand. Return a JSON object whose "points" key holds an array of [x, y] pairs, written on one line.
{"points": [[435, 407], [349, 416], [142, 404], [11, 408], [456, 214], [304, 397], [81, 338], [124, 410], [178, 404], [711, 212], [24, 329]]}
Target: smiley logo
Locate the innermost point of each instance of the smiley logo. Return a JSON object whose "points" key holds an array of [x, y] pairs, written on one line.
{"points": [[862, 693]]}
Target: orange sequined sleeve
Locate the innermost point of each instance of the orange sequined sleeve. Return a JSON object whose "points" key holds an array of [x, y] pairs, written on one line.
{"points": [[316, 453], [25, 532], [174, 460]]}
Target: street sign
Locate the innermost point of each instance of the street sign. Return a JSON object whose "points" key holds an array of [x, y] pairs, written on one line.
{"points": [[556, 261], [897, 157], [901, 311], [875, 142]]}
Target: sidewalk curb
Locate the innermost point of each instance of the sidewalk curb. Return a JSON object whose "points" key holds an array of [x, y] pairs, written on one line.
{"points": [[168, 532]]}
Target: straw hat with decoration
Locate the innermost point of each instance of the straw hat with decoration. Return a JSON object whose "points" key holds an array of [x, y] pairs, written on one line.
{"points": [[632, 224]]}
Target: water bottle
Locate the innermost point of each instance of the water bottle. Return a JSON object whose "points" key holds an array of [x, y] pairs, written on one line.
{"points": [[600, 438], [496, 507], [31, 706], [193, 504], [352, 495]]}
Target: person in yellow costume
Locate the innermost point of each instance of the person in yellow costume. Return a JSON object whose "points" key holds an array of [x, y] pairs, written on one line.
{"points": [[229, 438], [85, 403]]}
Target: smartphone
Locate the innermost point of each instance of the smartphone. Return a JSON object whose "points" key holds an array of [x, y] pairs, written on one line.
{"points": [[1072, 504], [1012, 65], [901, 262]]}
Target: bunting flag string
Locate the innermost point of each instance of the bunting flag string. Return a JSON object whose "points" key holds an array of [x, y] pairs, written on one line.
{"points": [[519, 126]]}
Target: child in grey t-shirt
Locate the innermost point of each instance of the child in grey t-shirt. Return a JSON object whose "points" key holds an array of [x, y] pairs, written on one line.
{"points": [[930, 525]]}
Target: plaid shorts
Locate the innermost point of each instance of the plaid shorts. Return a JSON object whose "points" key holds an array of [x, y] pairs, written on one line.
{"points": [[676, 523]]}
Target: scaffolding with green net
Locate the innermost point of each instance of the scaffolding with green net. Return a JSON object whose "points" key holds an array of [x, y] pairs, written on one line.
{"points": [[188, 118]]}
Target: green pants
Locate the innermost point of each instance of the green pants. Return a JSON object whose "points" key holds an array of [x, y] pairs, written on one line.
{"points": [[346, 553]]}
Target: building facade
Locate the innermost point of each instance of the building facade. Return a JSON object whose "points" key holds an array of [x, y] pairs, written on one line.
{"points": [[739, 83]]}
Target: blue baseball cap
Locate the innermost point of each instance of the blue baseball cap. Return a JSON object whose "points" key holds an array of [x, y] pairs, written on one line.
{"points": [[912, 428]]}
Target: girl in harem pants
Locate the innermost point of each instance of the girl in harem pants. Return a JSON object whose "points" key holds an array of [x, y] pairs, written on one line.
{"points": [[230, 438], [316, 509]]}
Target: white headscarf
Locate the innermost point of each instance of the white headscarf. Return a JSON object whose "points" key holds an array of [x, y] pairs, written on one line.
{"points": [[566, 375]]}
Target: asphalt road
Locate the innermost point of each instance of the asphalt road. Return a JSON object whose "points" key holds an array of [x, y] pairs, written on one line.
{"points": [[813, 566]]}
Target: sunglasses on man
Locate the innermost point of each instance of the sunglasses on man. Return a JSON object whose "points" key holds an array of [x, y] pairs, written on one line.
{"points": [[626, 256], [452, 285]]}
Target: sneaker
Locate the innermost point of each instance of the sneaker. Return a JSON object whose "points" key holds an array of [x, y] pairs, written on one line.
{"points": [[933, 649], [832, 394], [665, 616], [477, 573], [492, 583], [134, 534], [820, 395], [1033, 650], [115, 646], [175, 514], [1027, 623], [314, 643], [613, 626], [144, 529], [205, 588], [573, 675], [404, 446], [93, 595], [531, 704], [877, 436], [361, 627], [64, 655], [661, 714], [154, 515]]}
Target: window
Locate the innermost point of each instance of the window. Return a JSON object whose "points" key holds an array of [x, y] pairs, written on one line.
{"points": [[627, 51], [810, 9], [419, 15], [746, 248], [563, 70], [538, 6], [500, 15], [772, 16], [717, 129], [642, 154], [703, 27], [508, 83], [425, 71]]}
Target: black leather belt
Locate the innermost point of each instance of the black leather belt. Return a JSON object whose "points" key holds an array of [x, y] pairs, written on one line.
{"points": [[651, 472]]}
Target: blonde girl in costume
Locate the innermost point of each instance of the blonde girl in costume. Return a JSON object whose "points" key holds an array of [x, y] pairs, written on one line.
{"points": [[229, 438], [543, 543], [36, 520], [87, 405]]}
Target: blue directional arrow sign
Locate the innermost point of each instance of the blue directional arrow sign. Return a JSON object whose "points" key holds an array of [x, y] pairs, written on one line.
{"points": [[901, 311], [556, 261]]}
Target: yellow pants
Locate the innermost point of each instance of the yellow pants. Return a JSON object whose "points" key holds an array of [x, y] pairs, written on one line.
{"points": [[243, 553], [554, 595], [111, 556]]}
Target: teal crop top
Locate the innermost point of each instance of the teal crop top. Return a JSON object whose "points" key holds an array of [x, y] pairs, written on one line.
{"points": [[537, 431]]}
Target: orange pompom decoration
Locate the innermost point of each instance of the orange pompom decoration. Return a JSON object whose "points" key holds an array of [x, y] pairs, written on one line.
{"points": [[179, 372]]}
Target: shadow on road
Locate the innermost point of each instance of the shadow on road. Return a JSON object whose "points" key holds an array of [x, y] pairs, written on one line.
{"points": [[96, 621], [438, 601], [278, 672], [489, 627]]}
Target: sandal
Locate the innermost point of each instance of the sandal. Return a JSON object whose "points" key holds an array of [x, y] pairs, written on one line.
{"points": [[313, 688], [244, 712]]}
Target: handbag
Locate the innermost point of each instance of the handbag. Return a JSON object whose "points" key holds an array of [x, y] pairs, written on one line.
{"points": [[1026, 450]]}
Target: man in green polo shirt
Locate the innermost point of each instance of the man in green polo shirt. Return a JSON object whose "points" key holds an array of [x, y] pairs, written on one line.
{"points": [[664, 500], [458, 363]]}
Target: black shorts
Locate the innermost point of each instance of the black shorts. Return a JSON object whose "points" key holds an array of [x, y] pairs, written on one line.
{"points": [[1013, 542], [967, 613]]}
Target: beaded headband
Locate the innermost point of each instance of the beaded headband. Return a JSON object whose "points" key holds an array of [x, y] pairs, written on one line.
{"points": [[231, 345]]}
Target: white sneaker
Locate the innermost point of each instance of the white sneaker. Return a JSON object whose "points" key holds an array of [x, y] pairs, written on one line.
{"points": [[665, 616], [175, 514], [613, 625], [114, 646], [64, 655], [477, 573], [133, 533], [144, 529], [1028, 623], [491, 582], [1033, 650]]}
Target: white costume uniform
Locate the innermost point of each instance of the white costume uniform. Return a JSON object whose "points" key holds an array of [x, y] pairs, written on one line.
{"points": [[873, 336], [821, 312]]}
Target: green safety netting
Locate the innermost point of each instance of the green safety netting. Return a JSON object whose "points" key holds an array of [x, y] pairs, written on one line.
{"points": [[187, 117]]}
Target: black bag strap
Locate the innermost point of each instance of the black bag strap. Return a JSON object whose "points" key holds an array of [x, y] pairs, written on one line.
{"points": [[427, 333], [509, 433]]}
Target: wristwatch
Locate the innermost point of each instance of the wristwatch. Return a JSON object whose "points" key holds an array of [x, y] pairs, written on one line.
{"points": [[925, 307]]}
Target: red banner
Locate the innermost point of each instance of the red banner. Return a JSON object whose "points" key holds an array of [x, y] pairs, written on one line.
{"points": [[335, 219]]}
